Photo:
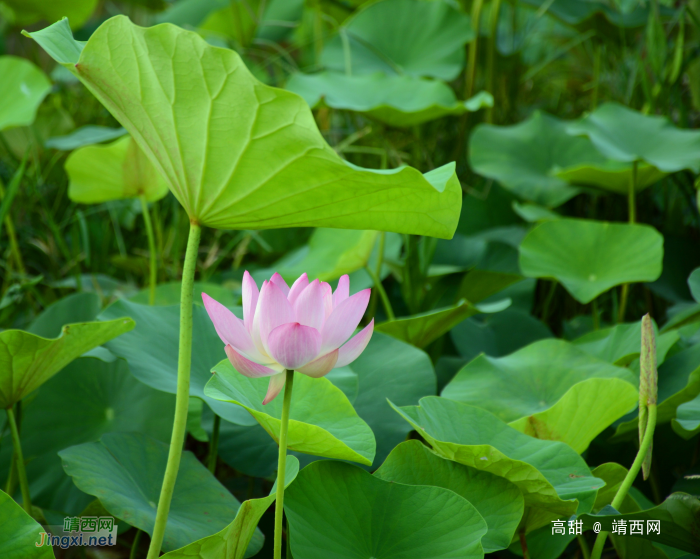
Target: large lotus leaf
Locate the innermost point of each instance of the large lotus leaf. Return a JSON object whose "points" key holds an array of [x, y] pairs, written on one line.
{"points": [[621, 344], [530, 380], [553, 478], [528, 158], [77, 307], [322, 421], [208, 130], [623, 134], [240, 538], [550, 390], [401, 37], [22, 89], [28, 12], [498, 334], [687, 421], [338, 510], [27, 361], [113, 171], [582, 413], [679, 515], [590, 257], [151, 350], [387, 368], [20, 532], [422, 329], [125, 472], [396, 100], [498, 501], [88, 399], [84, 136]]}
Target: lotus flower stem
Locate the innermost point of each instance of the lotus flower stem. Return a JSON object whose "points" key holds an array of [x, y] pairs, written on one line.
{"points": [[491, 53], [214, 444], [523, 545], [151, 249], [282, 463], [19, 461], [583, 544], [629, 478], [177, 438], [380, 263]]}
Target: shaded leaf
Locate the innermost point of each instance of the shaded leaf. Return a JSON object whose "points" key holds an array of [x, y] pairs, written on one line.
{"points": [[84, 136], [374, 40], [20, 532], [125, 472]]}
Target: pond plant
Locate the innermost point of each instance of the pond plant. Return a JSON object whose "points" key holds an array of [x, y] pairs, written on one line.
{"points": [[450, 249]]}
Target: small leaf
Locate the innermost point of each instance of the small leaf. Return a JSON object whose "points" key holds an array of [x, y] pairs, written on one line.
{"points": [[623, 134], [22, 88], [396, 100], [84, 136], [687, 421], [590, 257], [338, 510], [20, 532], [423, 328], [28, 361], [373, 40], [115, 171], [322, 421]]}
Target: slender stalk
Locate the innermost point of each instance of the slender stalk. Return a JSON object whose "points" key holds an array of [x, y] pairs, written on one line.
{"points": [[548, 301], [596, 81], [12, 234], [19, 461], [632, 214], [177, 438], [214, 444], [596, 316], [135, 544], [629, 478], [470, 76], [282, 463], [583, 544], [153, 265], [380, 263], [523, 545], [491, 54], [380, 289]]}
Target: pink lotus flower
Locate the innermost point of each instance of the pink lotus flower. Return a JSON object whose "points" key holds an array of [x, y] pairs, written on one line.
{"points": [[304, 328]]}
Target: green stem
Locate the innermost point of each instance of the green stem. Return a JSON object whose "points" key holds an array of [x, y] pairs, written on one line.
{"points": [[135, 544], [152, 250], [632, 214], [596, 316], [380, 289], [19, 461], [184, 360], [214, 444], [491, 55], [380, 262], [282, 463], [548, 301], [630, 477], [583, 544], [523, 545], [596, 81], [11, 233], [470, 77]]}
